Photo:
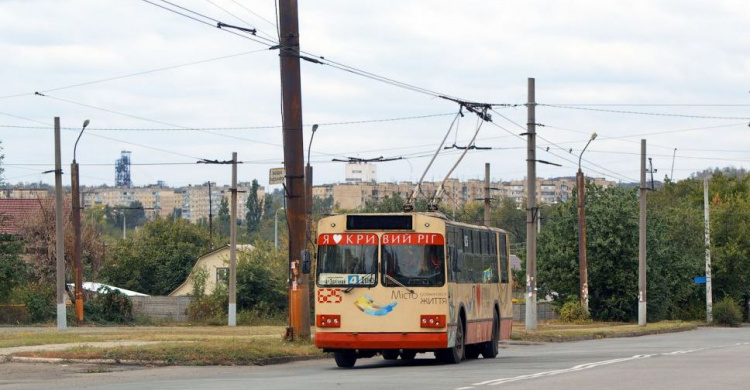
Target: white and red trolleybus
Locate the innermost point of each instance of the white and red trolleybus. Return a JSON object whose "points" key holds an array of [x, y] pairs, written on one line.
{"points": [[400, 284]]}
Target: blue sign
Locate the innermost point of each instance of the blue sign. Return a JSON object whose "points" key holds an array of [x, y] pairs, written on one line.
{"points": [[352, 279], [699, 279]]}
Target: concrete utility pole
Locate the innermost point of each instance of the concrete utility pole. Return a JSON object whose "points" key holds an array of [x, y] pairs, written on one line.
{"points": [[233, 246], [709, 294], [210, 217], [62, 322], [487, 197], [76, 200], [583, 267], [531, 209], [291, 103], [642, 296]]}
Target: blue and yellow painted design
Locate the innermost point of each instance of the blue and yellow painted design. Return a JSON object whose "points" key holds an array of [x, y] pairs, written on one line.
{"points": [[368, 306]]}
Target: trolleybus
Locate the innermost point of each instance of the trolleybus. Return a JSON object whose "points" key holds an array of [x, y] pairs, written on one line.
{"points": [[406, 283]]}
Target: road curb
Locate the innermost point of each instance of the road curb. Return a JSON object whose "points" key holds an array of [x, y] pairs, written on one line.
{"points": [[605, 335]]}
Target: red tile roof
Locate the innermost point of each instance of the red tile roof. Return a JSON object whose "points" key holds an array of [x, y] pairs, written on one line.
{"points": [[14, 211]]}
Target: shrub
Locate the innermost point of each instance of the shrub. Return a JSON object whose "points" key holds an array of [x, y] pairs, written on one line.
{"points": [[210, 309], [572, 312], [109, 306], [727, 312], [40, 302]]}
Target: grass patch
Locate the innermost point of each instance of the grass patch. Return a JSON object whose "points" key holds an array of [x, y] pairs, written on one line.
{"points": [[557, 331], [179, 333], [223, 352]]}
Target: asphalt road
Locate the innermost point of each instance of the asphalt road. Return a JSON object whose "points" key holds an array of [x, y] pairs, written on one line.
{"points": [[707, 358]]}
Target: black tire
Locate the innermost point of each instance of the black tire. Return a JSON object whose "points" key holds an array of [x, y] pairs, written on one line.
{"points": [[408, 354], [457, 353], [345, 359], [490, 349], [390, 354]]}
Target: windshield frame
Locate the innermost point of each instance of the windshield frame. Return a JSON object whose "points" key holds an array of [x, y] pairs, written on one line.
{"points": [[420, 267]]}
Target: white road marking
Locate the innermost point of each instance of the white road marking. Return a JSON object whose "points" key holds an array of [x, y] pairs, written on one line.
{"points": [[586, 366]]}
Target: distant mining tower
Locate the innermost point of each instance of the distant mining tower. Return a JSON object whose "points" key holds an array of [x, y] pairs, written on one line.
{"points": [[122, 170]]}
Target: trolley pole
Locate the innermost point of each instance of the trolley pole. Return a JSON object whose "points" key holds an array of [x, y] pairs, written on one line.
{"points": [[291, 102], [642, 296], [233, 246], [487, 197], [531, 210], [62, 321]]}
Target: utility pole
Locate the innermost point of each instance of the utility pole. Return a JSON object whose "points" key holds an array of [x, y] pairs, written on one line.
{"points": [[709, 294], [583, 267], [642, 296], [487, 197], [76, 203], [62, 322], [531, 209], [233, 246], [291, 103], [210, 218]]}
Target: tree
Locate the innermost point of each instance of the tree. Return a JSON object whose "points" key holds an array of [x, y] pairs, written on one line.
{"points": [[224, 218], [261, 279], [2, 157], [39, 234], [158, 258], [254, 209], [13, 269]]}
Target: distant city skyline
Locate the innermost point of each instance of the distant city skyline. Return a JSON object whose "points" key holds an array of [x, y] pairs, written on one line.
{"points": [[174, 91]]}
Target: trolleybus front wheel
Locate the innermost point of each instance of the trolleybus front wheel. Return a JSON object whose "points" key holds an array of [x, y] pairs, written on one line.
{"points": [[489, 349], [345, 359], [456, 354]]}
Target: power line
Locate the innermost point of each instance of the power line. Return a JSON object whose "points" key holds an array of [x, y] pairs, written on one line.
{"points": [[136, 73], [645, 113], [229, 128]]}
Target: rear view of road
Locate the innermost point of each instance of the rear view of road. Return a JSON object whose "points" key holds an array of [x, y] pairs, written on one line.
{"points": [[716, 358]]}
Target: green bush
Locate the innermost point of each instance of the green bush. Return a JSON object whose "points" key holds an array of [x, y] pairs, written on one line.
{"points": [[727, 312], [572, 312], [261, 317], [211, 309], [108, 306], [40, 302]]}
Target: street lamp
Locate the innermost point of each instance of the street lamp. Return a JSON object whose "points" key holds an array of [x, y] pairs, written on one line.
{"points": [[276, 228], [582, 262], [76, 199]]}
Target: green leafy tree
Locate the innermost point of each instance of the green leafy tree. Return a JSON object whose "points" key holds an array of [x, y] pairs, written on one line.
{"points": [[261, 279], [157, 259], [2, 157], [13, 269], [224, 219], [254, 209]]}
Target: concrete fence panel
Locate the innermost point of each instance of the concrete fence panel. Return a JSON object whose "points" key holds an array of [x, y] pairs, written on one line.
{"points": [[162, 308]]}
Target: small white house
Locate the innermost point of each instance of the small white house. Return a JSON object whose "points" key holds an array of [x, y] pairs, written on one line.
{"points": [[217, 265]]}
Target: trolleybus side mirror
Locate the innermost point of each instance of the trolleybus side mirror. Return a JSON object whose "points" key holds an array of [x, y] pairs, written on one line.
{"points": [[305, 256]]}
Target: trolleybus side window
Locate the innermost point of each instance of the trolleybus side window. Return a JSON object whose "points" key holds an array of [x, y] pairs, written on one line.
{"points": [[503, 258]]}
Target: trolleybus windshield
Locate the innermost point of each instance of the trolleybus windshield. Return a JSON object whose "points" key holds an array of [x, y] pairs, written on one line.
{"points": [[347, 260], [413, 260]]}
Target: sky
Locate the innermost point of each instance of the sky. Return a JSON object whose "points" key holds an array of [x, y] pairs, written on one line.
{"points": [[174, 90]]}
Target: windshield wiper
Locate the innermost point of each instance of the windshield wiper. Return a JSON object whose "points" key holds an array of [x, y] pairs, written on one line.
{"points": [[399, 283]]}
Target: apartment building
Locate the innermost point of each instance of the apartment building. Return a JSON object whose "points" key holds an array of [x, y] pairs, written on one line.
{"points": [[354, 195]]}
